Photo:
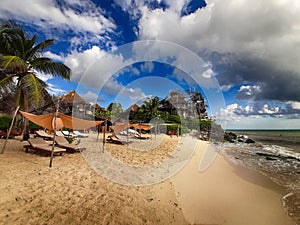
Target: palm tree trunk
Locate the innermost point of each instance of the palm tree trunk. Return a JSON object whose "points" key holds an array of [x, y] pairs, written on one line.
{"points": [[26, 135]]}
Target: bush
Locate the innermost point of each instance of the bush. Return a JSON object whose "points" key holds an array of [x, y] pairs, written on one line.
{"points": [[5, 122]]}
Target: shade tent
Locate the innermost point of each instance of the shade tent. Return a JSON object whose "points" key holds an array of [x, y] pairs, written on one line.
{"points": [[47, 121], [76, 123], [141, 127]]}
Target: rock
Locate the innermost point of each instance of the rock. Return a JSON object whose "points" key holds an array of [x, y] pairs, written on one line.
{"points": [[249, 141], [231, 137]]}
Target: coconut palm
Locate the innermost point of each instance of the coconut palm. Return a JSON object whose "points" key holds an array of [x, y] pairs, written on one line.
{"points": [[149, 108], [21, 59]]}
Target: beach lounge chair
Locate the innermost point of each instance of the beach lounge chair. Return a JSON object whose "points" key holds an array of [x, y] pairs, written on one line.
{"points": [[118, 128], [43, 134], [63, 143], [59, 133], [79, 134], [115, 140], [140, 136], [40, 145], [68, 134]]}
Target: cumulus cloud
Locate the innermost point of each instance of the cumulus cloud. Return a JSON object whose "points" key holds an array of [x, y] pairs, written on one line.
{"points": [[97, 69], [248, 91], [253, 44], [294, 105], [90, 97], [235, 112], [83, 19], [268, 110], [147, 67], [258, 116]]}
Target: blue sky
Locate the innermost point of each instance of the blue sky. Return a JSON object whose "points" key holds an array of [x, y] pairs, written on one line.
{"points": [[243, 57]]}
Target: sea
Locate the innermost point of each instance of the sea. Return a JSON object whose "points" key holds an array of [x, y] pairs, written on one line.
{"points": [[276, 154]]}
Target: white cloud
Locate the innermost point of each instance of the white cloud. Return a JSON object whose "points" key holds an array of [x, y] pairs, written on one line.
{"points": [[53, 56], [95, 68], [54, 90], [90, 97], [147, 67], [71, 15], [294, 104], [268, 29], [209, 73], [235, 116], [248, 91], [226, 87], [269, 110]]}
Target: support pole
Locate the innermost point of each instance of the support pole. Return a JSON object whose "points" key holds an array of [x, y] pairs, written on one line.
{"points": [[104, 131], [11, 125], [54, 134]]}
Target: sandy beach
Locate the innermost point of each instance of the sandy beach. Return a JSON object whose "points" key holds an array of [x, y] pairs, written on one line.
{"points": [[71, 192]]}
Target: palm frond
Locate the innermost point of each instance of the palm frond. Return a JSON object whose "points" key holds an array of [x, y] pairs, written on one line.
{"points": [[13, 64], [35, 87], [48, 66], [6, 80], [34, 52]]}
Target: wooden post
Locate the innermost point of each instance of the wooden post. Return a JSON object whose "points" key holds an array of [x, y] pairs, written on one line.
{"points": [[11, 125], [54, 134], [105, 122], [127, 129]]}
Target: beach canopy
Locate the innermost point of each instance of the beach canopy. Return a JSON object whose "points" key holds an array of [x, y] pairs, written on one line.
{"points": [[76, 123], [141, 126], [47, 121]]}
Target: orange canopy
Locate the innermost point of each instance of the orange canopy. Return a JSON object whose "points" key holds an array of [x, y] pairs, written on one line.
{"points": [[76, 123], [140, 126], [47, 121]]}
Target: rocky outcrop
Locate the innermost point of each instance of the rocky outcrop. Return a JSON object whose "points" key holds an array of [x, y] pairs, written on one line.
{"points": [[233, 138]]}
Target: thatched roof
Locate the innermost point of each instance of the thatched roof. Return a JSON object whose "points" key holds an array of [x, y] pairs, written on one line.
{"points": [[71, 97], [98, 107]]}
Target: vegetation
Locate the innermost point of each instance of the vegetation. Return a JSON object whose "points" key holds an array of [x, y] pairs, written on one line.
{"points": [[21, 60], [113, 111], [5, 122]]}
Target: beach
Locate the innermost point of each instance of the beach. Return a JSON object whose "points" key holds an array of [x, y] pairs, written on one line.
{"points": [[72, 192]]}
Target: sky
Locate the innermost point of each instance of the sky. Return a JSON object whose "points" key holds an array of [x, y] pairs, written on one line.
{"points": [[244, 56]]}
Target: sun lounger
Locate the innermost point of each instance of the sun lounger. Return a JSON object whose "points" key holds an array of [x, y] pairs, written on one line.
{"points": [[68, 134], [63, 143], [79, 134], [115, 140], [43, 134], [140, 136], [40, 145]]}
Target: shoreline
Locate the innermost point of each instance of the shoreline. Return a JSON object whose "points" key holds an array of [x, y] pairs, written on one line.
{"points": [[72, 192], [226, 193]]}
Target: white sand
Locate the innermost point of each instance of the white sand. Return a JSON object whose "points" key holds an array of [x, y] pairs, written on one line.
{"points": [[73, 193]]}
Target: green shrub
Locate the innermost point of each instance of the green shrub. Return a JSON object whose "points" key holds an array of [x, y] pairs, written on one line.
{"points": [[5, 122]]}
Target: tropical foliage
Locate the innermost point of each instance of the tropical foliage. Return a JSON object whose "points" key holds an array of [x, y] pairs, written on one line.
{"points": [[21, 60]]}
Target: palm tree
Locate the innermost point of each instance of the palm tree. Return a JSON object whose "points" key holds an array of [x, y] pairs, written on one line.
{"points": [[149, 109], [21, 59]]}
